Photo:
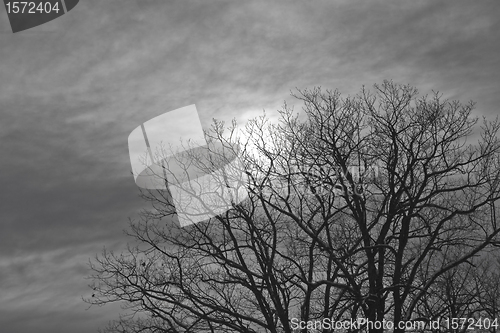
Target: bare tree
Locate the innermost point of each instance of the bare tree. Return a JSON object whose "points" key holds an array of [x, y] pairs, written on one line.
{"points": [[359, 210]]}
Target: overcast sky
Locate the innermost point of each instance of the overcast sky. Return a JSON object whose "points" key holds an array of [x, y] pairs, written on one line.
{"points": [[73, 89]]}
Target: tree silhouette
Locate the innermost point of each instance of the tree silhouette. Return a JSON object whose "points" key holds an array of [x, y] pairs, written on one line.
{"points": [[361, 207]]}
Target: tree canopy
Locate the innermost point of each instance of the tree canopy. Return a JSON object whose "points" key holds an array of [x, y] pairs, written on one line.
{"points": [[378, 205]]}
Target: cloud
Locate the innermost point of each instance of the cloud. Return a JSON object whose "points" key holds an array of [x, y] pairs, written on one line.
{"points": [[42, 292]]}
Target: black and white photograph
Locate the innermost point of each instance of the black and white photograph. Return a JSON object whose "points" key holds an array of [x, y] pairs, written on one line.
{"points": [[257, 166]]}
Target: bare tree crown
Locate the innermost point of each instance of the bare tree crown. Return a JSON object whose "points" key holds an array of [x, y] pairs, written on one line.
{"points": [[366, 206]]}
